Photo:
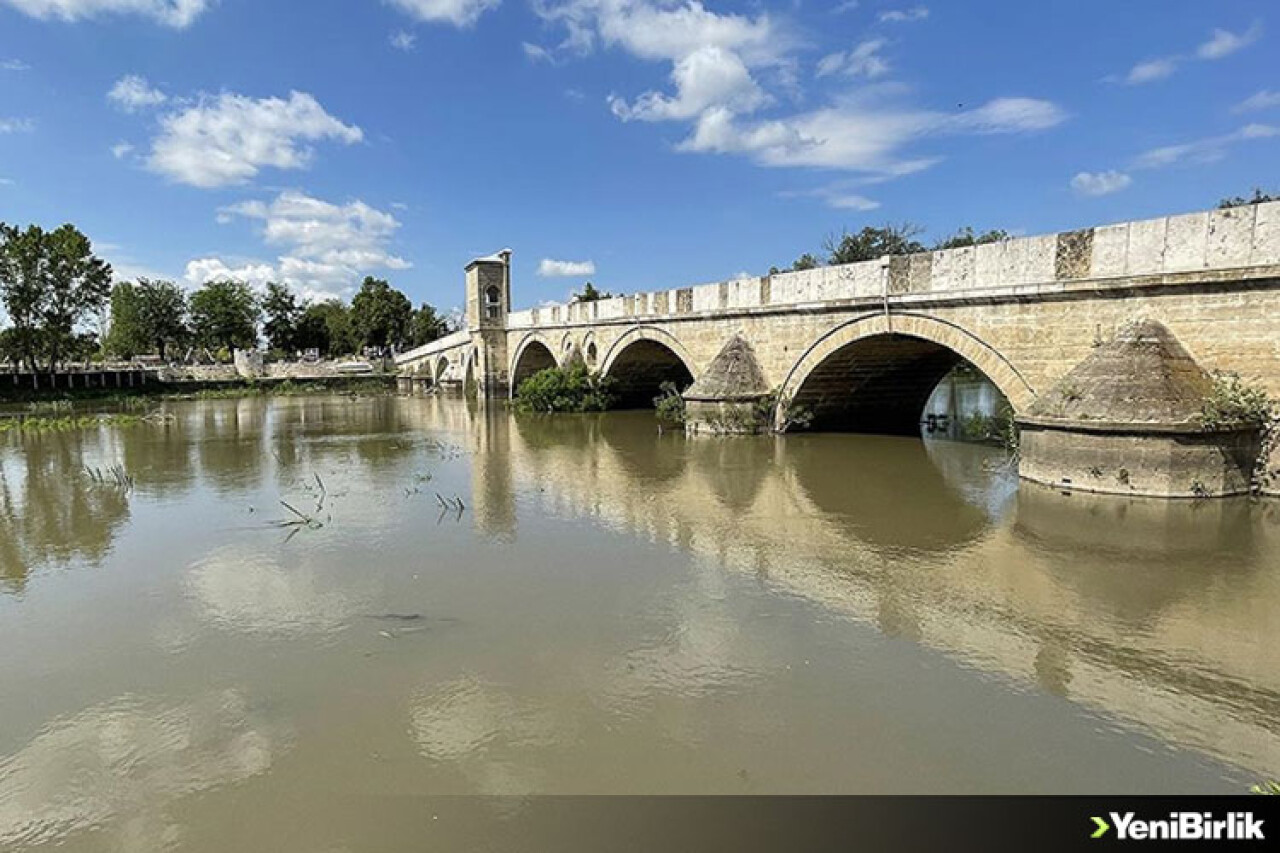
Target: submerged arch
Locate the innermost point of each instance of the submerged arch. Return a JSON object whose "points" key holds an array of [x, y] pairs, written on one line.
{"points": [[875, 373], [641, 360], [533, 353]]}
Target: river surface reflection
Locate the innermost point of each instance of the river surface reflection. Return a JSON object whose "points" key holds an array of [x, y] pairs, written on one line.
{"points": [[611, 610]]}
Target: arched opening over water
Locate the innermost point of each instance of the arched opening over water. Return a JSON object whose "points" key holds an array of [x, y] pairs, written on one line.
{"points": [[442, 367], [640, 366], [878, 374], [532, 357]]}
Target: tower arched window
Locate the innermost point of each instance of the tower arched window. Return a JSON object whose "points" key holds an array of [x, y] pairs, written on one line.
{"points": [[492, 303]]}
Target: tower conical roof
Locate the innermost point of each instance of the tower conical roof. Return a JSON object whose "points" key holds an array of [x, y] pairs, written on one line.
{"points": [[1143, 375], [734, 374]]}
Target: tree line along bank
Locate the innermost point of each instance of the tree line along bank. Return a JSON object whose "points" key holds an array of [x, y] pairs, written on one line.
{"points": [[63, 308]]}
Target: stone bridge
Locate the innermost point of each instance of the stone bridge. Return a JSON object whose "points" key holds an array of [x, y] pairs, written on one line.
{"points": [[863, 345]]}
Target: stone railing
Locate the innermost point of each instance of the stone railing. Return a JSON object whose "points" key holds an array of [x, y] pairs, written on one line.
{"points": [[448, 342], [1208, 241]]}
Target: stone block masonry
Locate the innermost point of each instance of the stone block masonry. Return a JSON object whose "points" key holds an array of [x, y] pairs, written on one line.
{"points": [[1024, 311]]}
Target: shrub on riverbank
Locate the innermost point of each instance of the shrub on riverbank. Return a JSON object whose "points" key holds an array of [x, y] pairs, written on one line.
{"points": [[572, 389]]}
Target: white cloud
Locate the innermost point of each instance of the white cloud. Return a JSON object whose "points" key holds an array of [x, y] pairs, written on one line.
{"points": [[1224, 43], [851, 137], [132, 93], [227, 139], [537, 53], [918, 13], [6, 182], [1100, 183], [403, 40], [709, 77], [1208, 150], [460, 13], [325, 248], [13, 65], [656, 30], [121, 150], [1009, 115], [1221, 43], [173, 13], [725, 68], [846, 6], [548, 268], [851, 201], [864, 60], [1151, 70], [202, 270], [839, 195], [1261, 100], [16, 125]]}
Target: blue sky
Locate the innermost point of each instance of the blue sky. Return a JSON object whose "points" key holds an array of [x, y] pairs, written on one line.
{"points": [[638, 143]]}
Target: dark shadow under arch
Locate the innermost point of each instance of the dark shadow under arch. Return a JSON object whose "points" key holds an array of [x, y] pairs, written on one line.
{"points": [[875, 384], [639, 370], [534, 357]]}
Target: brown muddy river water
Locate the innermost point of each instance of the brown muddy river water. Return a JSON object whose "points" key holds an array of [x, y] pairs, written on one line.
{"points": [[607, 610]]}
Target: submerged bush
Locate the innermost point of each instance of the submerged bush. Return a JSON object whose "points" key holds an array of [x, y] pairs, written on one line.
{"points": [[572, 389], [670, 404]]}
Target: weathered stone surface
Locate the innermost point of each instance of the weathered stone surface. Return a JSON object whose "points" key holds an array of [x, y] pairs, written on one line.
{"points": [[988, 263], [1110, 251], [953, 269], [1230, 238], [920, 272], [1143, 375], [734, 374], [1167, 465], [1074, 254], [1185, 243], [1266, 234], [1146, 245], [899, 274]]}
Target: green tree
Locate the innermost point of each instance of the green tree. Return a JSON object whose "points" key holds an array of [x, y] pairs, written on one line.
{"points": [[427, 325], [966, 237], [162, 308], [50, 282], [126, 336], [23, 287], [380, 314], [1258, 197], [326, 326], [225, 314], [283, 313], [10, 348], [590, 294], [80, 283], [872, 243]]}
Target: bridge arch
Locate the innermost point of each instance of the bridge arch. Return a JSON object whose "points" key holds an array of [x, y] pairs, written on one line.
{"points": [[533, 353], [641, 359], [879, 370]]}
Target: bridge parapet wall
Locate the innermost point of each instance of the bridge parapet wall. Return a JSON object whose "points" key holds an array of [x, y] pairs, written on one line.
{"points": [[1208, 241]]}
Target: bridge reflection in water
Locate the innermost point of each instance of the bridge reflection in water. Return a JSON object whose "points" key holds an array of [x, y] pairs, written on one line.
{"points": [[1153, 611], [617, 610]]}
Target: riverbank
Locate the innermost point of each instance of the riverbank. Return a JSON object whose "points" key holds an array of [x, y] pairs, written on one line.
{"points": [[205, 389]]}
